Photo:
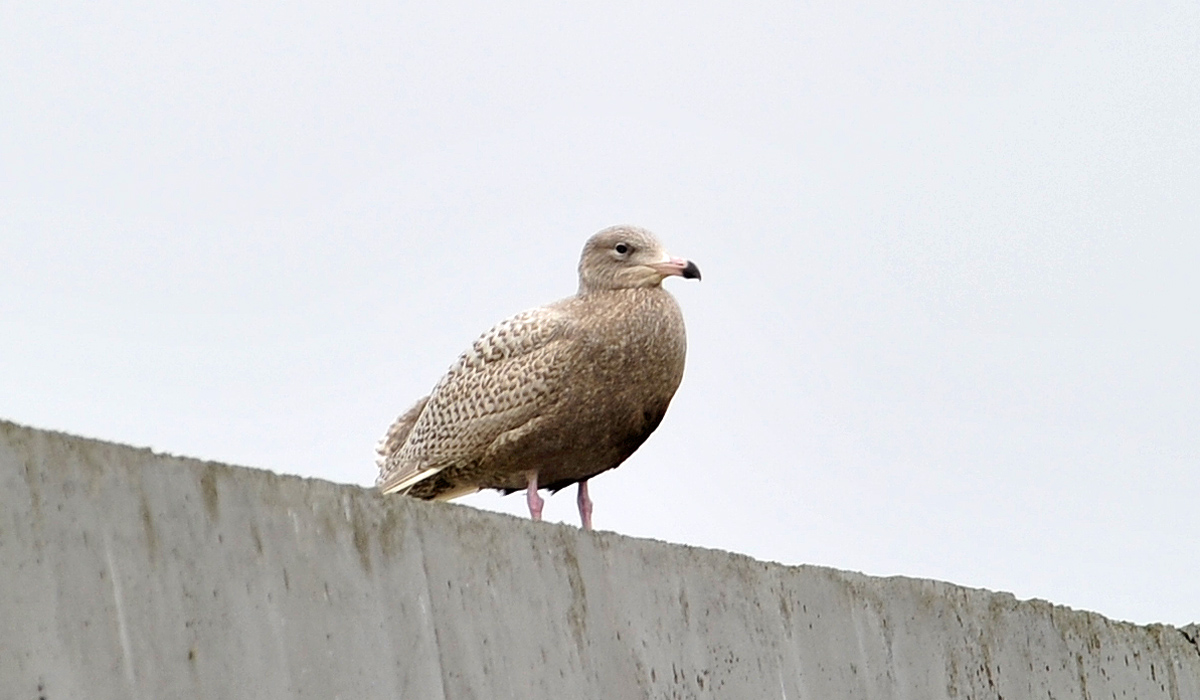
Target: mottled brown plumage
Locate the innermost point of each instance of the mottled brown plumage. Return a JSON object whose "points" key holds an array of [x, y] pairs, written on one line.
{"points": [[555, 395]]}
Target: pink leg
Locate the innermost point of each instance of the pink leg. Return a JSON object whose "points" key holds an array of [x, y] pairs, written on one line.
{"points": [[585, 506], [531, 496]]}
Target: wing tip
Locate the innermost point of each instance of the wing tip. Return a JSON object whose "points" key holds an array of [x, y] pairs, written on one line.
{"points": [[404, 480]]}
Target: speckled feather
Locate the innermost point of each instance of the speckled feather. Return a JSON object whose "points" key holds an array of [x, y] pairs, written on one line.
{"points": [[568, 390]]}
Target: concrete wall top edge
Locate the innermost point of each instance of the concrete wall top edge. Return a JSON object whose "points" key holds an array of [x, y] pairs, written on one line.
{"points": [[139, 574]]}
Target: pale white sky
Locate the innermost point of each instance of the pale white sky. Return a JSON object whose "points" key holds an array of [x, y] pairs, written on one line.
{"points": [[948, 326]]}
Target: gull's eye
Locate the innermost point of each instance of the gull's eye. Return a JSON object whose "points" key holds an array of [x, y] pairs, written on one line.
{"points": [[622, 248]]}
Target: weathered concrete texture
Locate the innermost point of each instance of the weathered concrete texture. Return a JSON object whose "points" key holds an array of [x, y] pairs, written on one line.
{"points": [[129, 574]]}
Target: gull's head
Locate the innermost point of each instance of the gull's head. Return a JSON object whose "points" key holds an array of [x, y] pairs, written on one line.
{"points": [[628, 257]]}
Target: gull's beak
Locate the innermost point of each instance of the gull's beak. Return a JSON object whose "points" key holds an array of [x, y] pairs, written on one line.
{"points": [[678, 266]]}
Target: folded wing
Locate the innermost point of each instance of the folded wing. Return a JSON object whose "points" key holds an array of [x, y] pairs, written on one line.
{"points": [[505, 379]]}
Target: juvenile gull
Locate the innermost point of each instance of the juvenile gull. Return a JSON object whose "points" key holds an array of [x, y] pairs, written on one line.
{"points": [[552, 396]]}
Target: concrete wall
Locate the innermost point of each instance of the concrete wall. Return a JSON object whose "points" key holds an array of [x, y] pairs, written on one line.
{"points": [[130, 574]]}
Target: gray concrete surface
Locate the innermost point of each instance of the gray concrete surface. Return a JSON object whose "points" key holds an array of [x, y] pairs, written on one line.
{"points": [[130, 574]]}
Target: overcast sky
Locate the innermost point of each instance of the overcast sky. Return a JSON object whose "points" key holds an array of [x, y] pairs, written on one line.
{"points": [[949, 320]]}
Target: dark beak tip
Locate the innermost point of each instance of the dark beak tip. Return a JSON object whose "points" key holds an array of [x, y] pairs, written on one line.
{"points": [[691, 272]]}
